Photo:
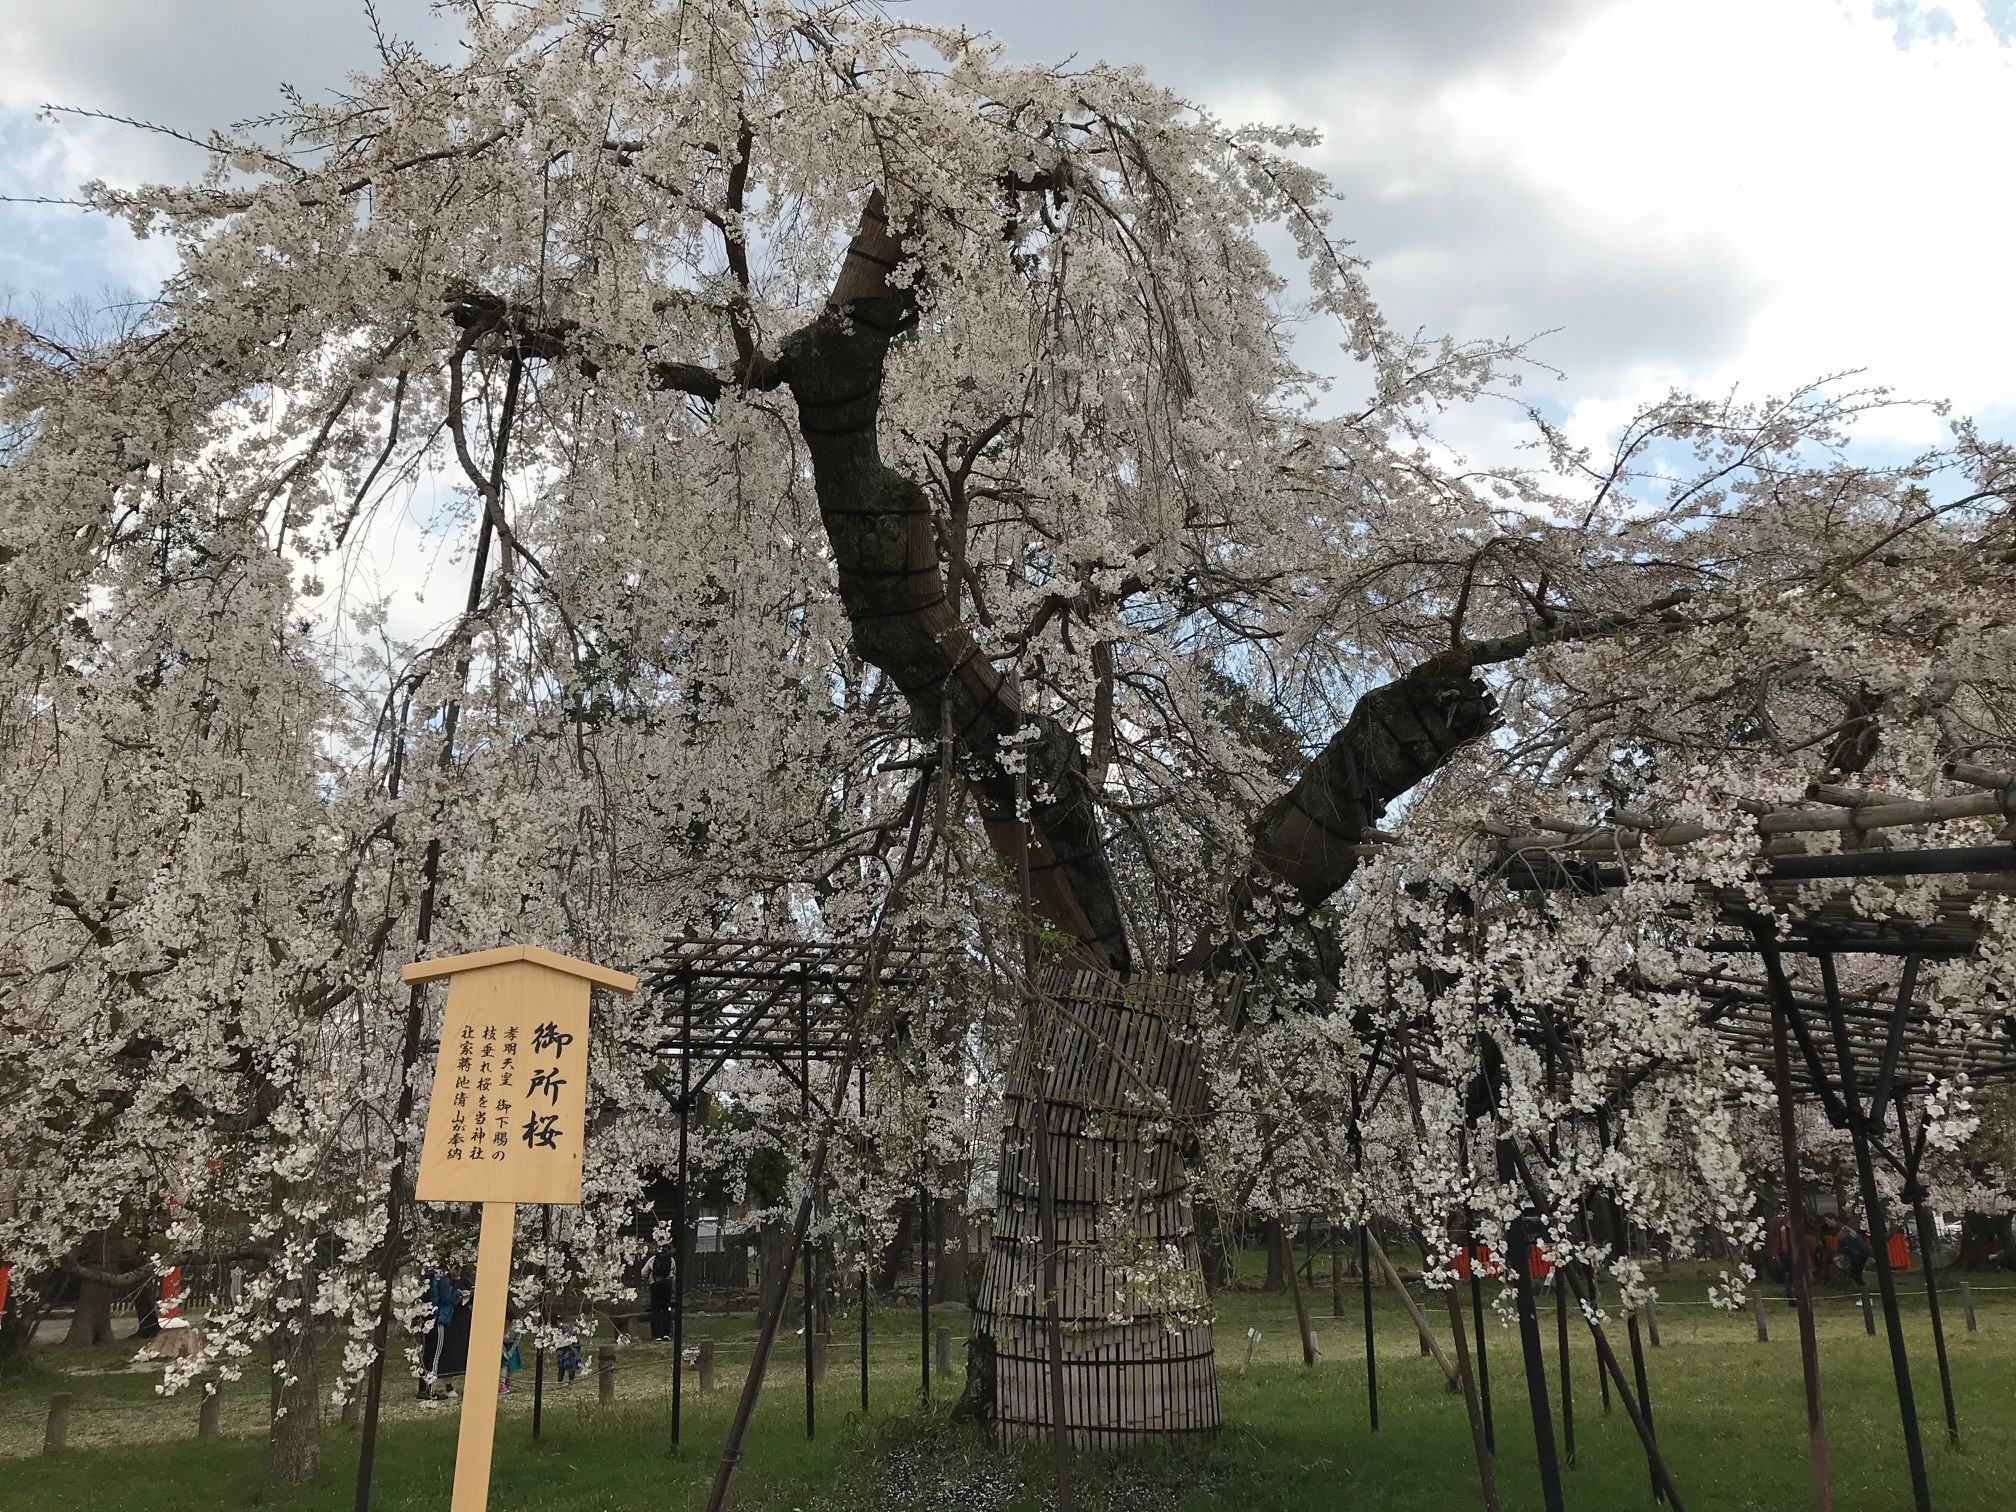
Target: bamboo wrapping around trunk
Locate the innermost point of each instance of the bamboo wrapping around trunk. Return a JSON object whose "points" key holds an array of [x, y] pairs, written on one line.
{"points": [[1118, 1067]]}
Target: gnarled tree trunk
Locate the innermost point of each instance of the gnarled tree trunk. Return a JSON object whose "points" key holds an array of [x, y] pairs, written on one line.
{"points": [[1133, 1376], [91, 1319], [1118, 1069], [294, 1441]]}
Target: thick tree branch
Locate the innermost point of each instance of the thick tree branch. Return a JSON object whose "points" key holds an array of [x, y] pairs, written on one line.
{"points": [[1310, 837], [880, 528]]}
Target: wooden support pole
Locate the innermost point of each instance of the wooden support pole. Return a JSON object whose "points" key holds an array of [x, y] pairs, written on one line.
{"points": [[1757, 1313], [1868, 1313], [1429, 1346], [1336, 1273], [1310, 1353], [1606, 1357], [486, 1353], [210, 1414], [704, 1364], [1967, 1305], [1652, 1321], [605, 1375], [56, 1432], [1487, 1471]]}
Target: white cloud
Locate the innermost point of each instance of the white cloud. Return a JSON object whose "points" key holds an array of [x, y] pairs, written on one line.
{"points": [[1753, 190], [1836, 181]]}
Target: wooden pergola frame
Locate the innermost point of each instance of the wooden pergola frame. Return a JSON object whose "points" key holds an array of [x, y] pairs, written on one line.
{"points": [[781, 1001]]}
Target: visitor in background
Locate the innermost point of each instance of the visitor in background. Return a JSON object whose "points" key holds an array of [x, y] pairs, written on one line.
{"points": [[512, 1362], [662, 1266], [442, 1297], [1855, 1251], [569, 1357], [455, 1354], [1778, 1253], [1827, 1249]]}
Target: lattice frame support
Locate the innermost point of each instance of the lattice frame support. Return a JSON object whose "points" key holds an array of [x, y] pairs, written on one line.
{"points": [[1118, 1068]]}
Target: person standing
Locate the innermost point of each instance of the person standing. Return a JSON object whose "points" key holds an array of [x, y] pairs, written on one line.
{"points": [[442, 1297], [662, 1265], [1855, 1251], [1779, 1257]]}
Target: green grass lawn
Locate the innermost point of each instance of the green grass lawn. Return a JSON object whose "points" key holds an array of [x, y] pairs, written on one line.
{"points": [[1729, 1412]]}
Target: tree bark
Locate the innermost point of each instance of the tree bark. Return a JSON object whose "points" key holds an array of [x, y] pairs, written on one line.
{"points": [[1977, 1232], [772, 1249], [897, 1255], [91, 1320], [1279, 1257], [294, 1440]]}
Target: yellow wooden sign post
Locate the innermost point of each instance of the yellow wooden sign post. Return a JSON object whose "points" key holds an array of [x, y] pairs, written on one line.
{"points": [[504, 1127]]}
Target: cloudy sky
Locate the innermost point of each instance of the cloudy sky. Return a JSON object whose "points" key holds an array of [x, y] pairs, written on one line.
{"points": [[1692, 192]]}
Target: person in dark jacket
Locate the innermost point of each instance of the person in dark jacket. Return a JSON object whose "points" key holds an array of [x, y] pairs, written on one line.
{"points": [[455, 1350], [441, 1297], [662, 1265], [1855, 1251]]}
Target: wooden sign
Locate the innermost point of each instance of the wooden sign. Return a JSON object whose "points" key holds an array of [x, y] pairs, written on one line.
{"points": [[505, 1126]]}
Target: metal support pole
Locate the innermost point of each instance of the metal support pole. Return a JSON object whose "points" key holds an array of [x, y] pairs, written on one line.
{"points": [[1567, 1385], [809, 1307], [1923, 1218], [1795, 1200], [1476, 1300], [1877, 1216], [1371, 1353], [1484, 1097], [679, 1213], [1536, 1367], [864, 1253], [1914, 1193], [1483, 1357], [924, 1286]]}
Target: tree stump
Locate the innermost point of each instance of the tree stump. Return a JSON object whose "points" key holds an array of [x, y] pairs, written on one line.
{"points": [[704, 1362], [210, 1413], [605, 1373]]}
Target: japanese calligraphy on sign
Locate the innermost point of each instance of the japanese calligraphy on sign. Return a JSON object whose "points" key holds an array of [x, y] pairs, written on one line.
{"points": [[506, 1121]]}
